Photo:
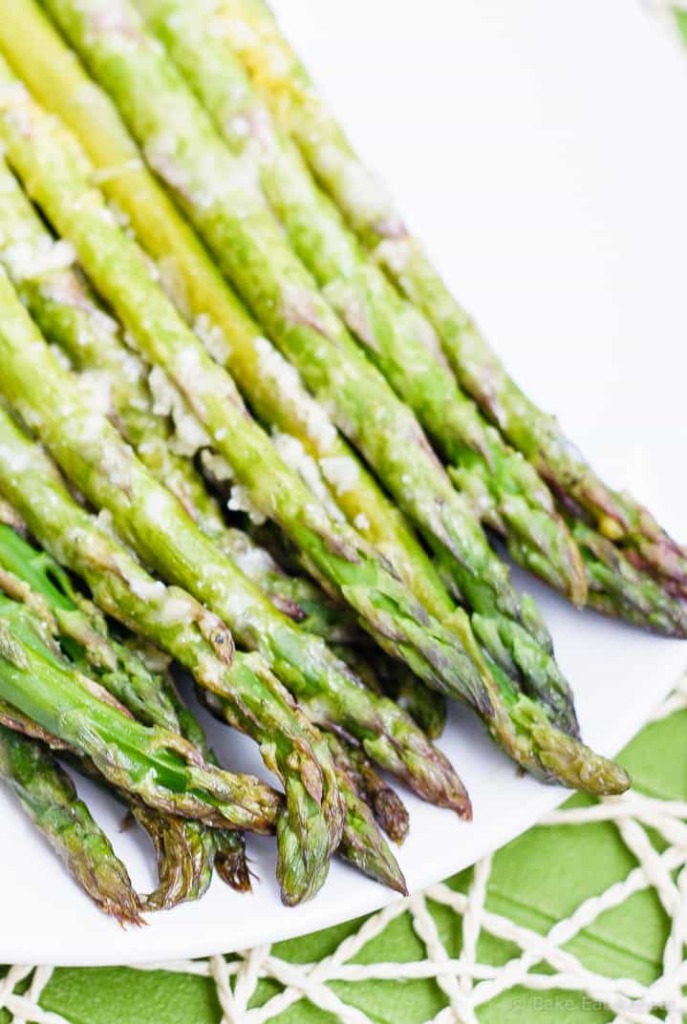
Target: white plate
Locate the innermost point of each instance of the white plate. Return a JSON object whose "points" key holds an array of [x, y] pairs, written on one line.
{"points": [[540, 148]]}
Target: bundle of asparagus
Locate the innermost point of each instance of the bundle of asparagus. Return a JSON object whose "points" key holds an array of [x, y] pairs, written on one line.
{"points": [[141, 394]]}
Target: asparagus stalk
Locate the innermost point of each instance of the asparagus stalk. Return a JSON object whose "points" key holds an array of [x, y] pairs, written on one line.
{"points": [[509, 728], [508, 494], [158, 766], [94, 455], [232, 217], [47, 795], [388, 808], [254, 34], [68, 313], [198, 639], [185, 849], [272, 385], [399, 623], [363, 845], [174, 622]]}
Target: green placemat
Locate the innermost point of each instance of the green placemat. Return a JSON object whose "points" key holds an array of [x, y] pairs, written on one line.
{"points": [[583, 918]]}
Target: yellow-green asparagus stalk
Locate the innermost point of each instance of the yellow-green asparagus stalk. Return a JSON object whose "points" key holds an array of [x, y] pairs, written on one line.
{"points": [[51, 163], [503, 489], [189, 275], [231, 215], [251, 29]]}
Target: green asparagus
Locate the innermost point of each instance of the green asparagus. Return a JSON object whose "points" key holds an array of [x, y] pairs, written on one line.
{"points": [[198, 639], [68, 313], [158, 766], [95, 457], [362, 844], [272, 385], [504, 490], [253, 32], [48, 796], [185, 849], [112, 150], [173, 621], [124, 590], [229, 212]]}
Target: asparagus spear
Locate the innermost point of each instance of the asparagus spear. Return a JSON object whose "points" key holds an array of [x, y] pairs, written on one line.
{"points": [[174, 622], [396, 620], [387, 807], [254, 33], [362, 844], [230, 214], [185, 849], [508, 493], [272, 385], [510, 728], [96, 457], [160, 767], [48, 796], [260, 705], [68, 313]]}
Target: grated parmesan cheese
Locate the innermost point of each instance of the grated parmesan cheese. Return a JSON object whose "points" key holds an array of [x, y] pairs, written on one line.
{"points": [[96, 388], [213, 337], [394, 253], [341, 472], [145, 589], [240, 501], [294, 455], [28, 261], [254, 562]]}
